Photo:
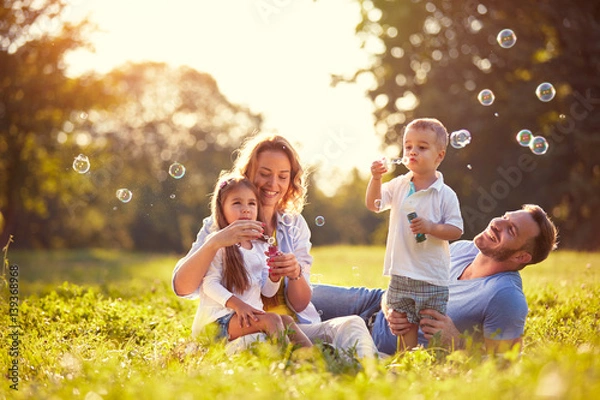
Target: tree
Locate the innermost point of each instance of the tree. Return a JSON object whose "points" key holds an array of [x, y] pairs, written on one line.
{"points": [[132, 124], [36, 100], [166, 116], [432, 59]]}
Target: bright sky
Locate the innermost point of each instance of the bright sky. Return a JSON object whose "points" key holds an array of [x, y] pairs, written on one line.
{"points": [[273, 56]]}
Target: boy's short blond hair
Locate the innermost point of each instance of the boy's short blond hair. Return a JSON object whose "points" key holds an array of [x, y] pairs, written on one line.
{"points": [[430, 124]]}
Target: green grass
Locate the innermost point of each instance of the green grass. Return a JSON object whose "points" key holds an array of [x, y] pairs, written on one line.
{"points": [[104, 324]]}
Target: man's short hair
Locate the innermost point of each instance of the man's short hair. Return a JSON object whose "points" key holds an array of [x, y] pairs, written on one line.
{"points": [[540, 246]]}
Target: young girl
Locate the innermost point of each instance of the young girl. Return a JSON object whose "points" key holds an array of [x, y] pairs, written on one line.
{"points": [[230, 292]]}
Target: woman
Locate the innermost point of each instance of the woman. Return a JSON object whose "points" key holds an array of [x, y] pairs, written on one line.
{"points": [[272, 164]]}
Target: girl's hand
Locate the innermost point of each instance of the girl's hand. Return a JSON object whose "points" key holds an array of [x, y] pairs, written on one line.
{"points": [[245, 313], [238, 231], [421, 225], [378, 168], [283, 264]]}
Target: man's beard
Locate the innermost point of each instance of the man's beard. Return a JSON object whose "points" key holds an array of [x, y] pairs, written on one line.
{"points": [[497, 254]]}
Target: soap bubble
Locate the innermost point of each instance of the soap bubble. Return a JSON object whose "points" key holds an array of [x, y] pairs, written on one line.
{"points": [[269, 239], [177, 170], [81, 164], [459, 139], [287, 219], [506, 38], [399, 160], [538, 145], [124, 195], [545, 92], [377, 204], [486, 97], [320, 220], [524, 137]]}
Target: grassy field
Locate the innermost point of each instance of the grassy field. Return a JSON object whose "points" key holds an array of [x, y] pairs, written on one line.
{"points": [[99, 324]]}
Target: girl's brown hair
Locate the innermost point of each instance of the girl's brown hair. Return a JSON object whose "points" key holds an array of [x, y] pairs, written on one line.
{"points": [[235, 275], [246, 164]]}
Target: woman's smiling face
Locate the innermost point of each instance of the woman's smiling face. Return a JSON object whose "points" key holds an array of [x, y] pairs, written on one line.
{"points": [[272, 176]]}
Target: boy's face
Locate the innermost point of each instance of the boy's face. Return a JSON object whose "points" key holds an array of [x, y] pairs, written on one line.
{"points": [[422, 150]]}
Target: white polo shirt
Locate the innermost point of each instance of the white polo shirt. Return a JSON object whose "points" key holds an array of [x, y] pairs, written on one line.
{"points": [[427, 261]]}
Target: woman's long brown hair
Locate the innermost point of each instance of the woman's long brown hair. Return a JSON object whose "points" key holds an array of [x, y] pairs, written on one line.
{"points": [[246, 164]]}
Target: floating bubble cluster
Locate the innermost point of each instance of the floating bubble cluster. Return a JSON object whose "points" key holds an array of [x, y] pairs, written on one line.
{"points": [[524, 137], [124, 195], [545, 92], [538, 145], [459, 139], [177, 170], [81, 164], [506, 38], [320, 220], [486, 97]]}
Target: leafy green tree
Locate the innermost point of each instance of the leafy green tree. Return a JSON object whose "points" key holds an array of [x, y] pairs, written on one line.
{"points": [[132, 124], [432, 58], [36, 100], [166, 116]]}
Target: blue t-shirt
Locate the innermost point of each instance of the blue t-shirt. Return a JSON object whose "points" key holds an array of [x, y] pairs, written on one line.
{"points": [[493, 307]]}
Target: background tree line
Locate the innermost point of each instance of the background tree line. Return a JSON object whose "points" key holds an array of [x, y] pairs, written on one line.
{"points": [[429, 59]]}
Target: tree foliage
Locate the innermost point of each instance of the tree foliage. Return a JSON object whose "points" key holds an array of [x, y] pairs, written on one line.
{"points": [[132, 124], [431, 58]]}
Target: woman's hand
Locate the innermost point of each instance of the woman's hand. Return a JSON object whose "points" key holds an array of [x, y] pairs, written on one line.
{"points": [[237, 232], [283, 264]]}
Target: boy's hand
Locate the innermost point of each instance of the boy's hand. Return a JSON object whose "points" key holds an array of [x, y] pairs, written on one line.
{"points": [[421, 225], [378, 168]]}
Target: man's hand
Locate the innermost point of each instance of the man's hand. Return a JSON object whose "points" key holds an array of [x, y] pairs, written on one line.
{"points": [[441, 323], [397, 322]]}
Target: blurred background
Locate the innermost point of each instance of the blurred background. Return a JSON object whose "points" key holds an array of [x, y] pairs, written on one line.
{"points": [[161, 115]]}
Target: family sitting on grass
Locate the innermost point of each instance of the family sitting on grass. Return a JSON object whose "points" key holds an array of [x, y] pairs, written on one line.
{"points": [[250, 264]]}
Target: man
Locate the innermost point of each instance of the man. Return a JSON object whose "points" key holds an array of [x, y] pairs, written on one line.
{"points": [[486, 294]]}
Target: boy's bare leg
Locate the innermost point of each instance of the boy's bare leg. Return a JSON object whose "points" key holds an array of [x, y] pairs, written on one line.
{"points": [[409, 341]]}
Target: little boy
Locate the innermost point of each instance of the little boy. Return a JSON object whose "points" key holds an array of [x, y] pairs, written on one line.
{"points": [[425, 215]]}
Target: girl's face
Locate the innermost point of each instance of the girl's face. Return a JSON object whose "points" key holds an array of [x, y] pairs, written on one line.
{"points": [[240, 203], [272, 176]]}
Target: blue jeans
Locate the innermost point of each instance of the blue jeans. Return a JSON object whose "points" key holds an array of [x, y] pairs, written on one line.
{"points": [[338, 301]]}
